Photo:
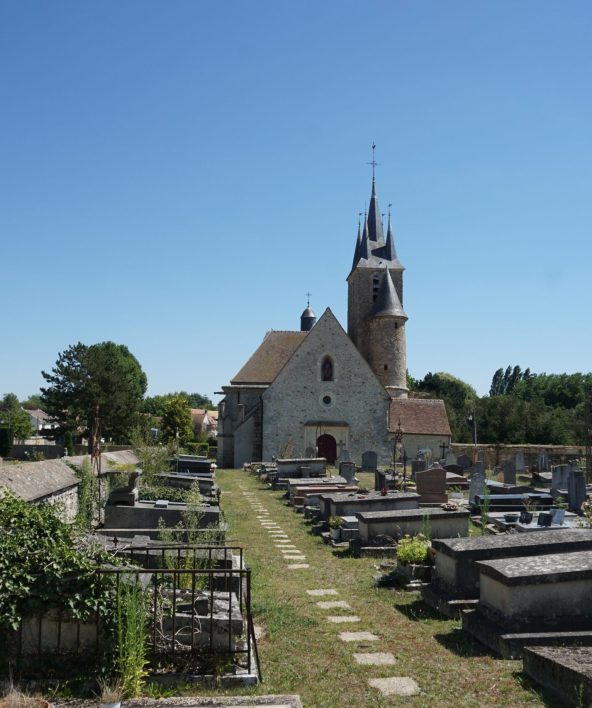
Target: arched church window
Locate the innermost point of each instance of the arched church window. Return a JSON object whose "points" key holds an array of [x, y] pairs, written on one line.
{"points": [[375, 286], [327, 369]]}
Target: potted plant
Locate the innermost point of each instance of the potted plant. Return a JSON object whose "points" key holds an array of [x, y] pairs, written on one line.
{"points": [[111, 694], [17, 699], [414, 558], [335, 524]]}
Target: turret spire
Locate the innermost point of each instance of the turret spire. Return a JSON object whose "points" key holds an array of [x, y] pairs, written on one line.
{"points": [[375, 232], [389, 250], [387, 302]]}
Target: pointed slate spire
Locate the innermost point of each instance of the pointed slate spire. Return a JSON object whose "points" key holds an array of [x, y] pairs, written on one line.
{"points": [[389, 250], [387, 302], [375, 231], [358, 245]]}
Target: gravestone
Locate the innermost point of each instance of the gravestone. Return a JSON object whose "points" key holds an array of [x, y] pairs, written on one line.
{"points": [[576, 490], [450, 458], [348, 471], [481, 456], [560, 479], [543, 462], [344, 456], [310, 452], [519, 464], [369, 461], [431, 485], [477, 482], [417, 466], [509, 472], [463, 461]]}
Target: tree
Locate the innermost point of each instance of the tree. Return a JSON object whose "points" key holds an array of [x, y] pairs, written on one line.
{"points": [[459, 398], [106, 375], [156, 404], [13, 416], [34, 401], [176, 422]]}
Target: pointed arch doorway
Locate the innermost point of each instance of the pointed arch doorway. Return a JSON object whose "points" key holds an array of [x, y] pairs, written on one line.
{"points": [[327, 448]]}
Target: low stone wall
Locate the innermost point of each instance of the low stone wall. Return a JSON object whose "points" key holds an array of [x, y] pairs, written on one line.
{"points": [[498, 454]]}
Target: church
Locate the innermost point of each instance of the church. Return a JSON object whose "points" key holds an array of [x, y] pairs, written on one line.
{"points": [[319, 390]]}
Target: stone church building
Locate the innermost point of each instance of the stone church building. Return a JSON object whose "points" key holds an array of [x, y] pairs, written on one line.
{"points": [[321, 390]]}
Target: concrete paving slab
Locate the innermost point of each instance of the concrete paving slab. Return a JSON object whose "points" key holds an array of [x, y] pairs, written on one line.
{"points": [[334, 604], [321, 592], [395, 686], [342, 619], [358, 637], [378, 658], [298, 566]]}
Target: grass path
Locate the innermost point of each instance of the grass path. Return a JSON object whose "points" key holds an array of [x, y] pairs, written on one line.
{"points": [[301, 651]]}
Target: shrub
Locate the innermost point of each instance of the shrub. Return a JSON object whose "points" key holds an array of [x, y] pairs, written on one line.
{"points": [[413, 550], [335, 522]]}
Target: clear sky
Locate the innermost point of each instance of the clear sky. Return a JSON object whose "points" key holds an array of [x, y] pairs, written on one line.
{"points": [[175, 176]]}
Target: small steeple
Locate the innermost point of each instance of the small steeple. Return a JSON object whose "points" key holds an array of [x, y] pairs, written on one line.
{"points": [[375, 231], [387, 302], [389, 250], [358, 245], [308, 319]]}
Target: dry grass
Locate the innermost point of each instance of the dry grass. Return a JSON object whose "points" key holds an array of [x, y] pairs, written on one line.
{"points": [[302, 653]]}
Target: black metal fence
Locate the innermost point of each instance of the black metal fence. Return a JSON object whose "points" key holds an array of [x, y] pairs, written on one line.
{"points": [[196, 605]]}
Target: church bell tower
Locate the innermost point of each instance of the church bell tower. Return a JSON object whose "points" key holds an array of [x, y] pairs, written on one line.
{"points": [[375, 316]]}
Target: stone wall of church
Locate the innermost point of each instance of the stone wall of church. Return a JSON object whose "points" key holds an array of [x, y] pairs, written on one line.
{"points": [[232, 411], [299, 401]]}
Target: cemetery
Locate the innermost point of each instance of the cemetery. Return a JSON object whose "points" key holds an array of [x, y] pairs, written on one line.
{"points": [[508, 555]]}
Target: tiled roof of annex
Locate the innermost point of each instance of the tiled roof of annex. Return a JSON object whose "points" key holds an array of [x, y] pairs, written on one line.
{"points": [[269, 358], [419, 416]]}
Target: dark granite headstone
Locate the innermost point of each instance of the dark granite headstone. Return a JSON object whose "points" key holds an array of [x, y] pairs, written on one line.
{"points": [[369, 461], [509, 472], [576, 490], [463, 461]]}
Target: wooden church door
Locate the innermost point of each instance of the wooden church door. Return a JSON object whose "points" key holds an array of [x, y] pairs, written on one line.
{"points": [[327, 447]]}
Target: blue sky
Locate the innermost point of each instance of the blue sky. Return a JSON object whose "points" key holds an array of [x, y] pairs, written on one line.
{"points": [[175, 176]]}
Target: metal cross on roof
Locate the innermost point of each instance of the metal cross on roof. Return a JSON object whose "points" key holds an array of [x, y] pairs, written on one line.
{"points": [[308, 299], [373, 163]]}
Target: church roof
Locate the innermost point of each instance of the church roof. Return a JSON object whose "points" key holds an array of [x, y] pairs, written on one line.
{"points": [[419, 416], [371, 250], [387, 301], [271, 355]]}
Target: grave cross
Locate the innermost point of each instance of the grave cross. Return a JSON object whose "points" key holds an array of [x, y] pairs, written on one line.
{"points": [[443, 448]]}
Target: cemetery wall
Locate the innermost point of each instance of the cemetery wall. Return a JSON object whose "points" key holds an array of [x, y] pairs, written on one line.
{"points": [[498, 454], [414, 443]]}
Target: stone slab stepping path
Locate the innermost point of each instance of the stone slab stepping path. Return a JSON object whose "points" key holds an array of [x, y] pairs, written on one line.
{"points": [[322, 592], [358, 637], [395, 686], [341, 619], [298, 566], [334, 604], [378, 658]]}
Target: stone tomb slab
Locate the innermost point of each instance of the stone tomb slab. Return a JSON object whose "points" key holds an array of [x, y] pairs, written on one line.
{"points": [[397, 523], [455, 558], [350, 504], [567, 671], [554, 589]]}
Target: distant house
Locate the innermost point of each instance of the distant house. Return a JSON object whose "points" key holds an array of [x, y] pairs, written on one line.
{"points": [[204, 421], [49, 481], [41, 423]]}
